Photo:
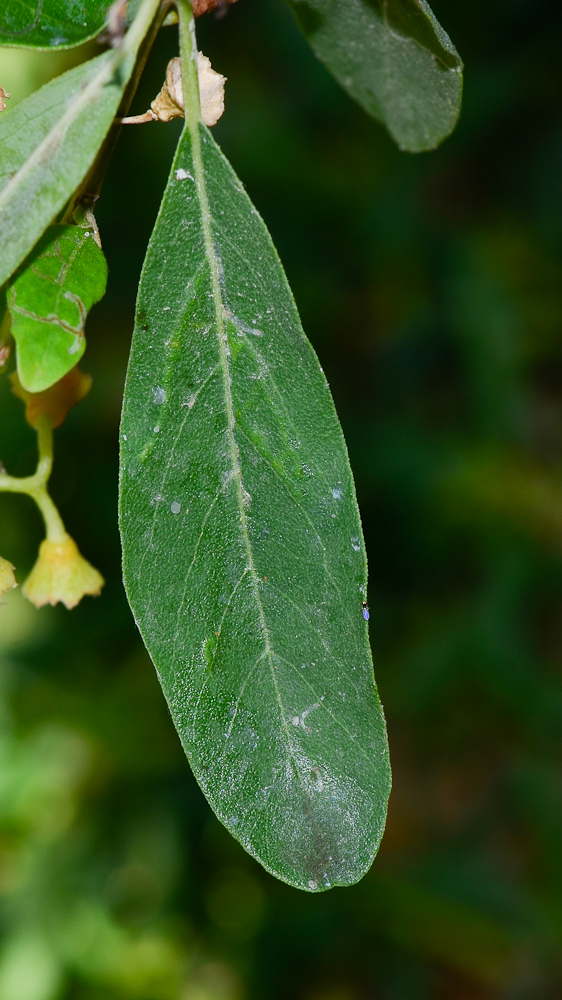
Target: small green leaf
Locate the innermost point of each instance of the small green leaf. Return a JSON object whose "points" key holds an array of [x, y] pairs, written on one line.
{"points": [[49, 301], [393, 57], [243, 554], [46, 24], [49, 141]]}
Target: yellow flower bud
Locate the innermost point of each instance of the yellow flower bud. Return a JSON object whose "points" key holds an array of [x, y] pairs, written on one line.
{"points": [[7, 578], [61, 574]]}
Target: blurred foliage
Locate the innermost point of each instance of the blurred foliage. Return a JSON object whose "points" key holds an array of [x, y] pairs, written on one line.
{"points": [[430, 287]]}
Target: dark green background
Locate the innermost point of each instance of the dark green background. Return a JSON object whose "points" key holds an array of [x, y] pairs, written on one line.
{"points": [[431, 289]]}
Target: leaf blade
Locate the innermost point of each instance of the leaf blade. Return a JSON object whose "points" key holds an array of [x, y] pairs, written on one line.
{"points": [[45, 152], [233, 457], [49, 141], [394, 58], [55, 24], [49, 301]]}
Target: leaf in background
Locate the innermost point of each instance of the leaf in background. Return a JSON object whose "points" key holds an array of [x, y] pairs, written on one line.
{"points": [[51, 23], [393, 57], [243, 554], [49, 301], [49, 141]]}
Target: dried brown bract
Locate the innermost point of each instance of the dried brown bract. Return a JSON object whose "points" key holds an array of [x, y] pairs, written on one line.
{"points": [[169, 102], [211, 90]]}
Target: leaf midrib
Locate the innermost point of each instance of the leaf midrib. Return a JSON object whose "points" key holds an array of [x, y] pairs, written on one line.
{"points": [[222, 338]]}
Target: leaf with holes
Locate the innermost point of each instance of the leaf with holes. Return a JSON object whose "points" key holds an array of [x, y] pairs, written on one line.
{"points": [[393, 57], [49, 301], [243, 554]]}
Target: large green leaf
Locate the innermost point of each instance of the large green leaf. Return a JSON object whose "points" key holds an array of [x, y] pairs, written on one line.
{"points": [[394, 58], [49, 302], [50, 23], [49, 141], [243, 553]]}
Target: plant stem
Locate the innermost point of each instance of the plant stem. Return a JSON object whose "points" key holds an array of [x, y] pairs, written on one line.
{"points": [[36, 485], [188, 55]]}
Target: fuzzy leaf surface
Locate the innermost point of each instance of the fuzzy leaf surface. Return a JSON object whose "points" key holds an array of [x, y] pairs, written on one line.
{"points": [[48, 24], [394, 58], [243, 554], [47, 144], [49, 301]]}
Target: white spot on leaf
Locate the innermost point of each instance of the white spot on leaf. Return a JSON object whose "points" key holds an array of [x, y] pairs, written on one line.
{"points": [[158, 395], [317, 778]]}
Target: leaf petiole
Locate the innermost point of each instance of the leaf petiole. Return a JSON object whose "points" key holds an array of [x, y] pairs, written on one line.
{"points": [[188, 56]]}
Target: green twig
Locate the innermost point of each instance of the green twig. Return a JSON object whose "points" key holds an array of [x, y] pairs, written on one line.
{"points": [[36, 485]]}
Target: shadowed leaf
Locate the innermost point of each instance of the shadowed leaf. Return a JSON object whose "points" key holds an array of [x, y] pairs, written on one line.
{"points": [[394, 58]]}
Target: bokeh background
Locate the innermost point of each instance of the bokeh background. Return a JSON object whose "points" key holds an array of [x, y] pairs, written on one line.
{"points": [[431, 289]]}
